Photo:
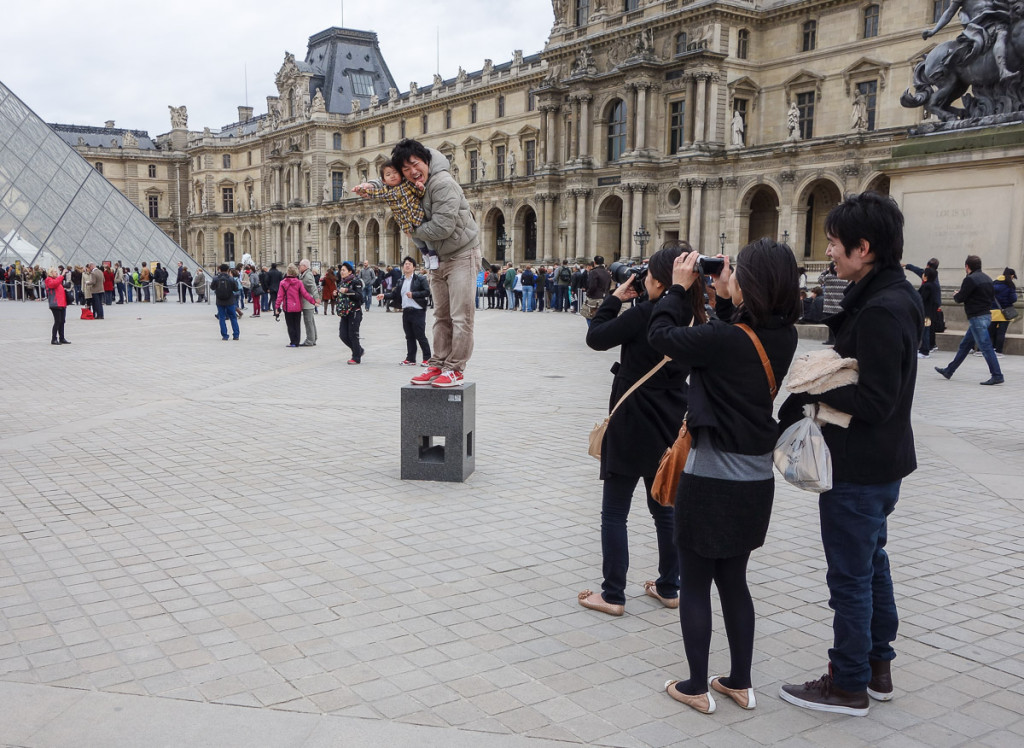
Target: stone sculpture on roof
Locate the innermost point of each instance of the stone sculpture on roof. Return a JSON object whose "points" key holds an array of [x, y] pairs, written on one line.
{"points": [[374, 100], [987, 57], [179, 117], [438, 80], [319, 106], [128, 140]]}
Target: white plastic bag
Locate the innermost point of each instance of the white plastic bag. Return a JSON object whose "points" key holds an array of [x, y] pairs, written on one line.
{"points": [[802, 457]]}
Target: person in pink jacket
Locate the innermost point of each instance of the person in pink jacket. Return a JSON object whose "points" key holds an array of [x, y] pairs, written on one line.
{"points": [[58, 305], [289, 299]]}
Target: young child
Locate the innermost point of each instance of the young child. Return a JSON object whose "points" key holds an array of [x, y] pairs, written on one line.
{"points": [[403, 197]]}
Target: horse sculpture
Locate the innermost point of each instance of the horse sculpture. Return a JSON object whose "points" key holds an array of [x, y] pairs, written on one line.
{"points": [[951, 68]]}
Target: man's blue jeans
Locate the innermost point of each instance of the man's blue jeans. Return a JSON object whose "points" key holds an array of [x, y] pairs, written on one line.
{"points": [[853, 532], [224, 313], [977, 333], [528, 297]]}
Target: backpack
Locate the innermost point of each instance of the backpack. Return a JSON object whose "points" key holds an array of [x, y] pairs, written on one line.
{"points": [[225, 290], [565, 274]]}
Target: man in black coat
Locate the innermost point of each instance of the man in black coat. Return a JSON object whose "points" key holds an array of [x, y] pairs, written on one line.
{"points": [[411, 294], [274, 278], [979, 299], [879, 325]]}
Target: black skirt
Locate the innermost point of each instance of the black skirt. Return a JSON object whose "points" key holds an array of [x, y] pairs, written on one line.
{"points": [[718, 518]]}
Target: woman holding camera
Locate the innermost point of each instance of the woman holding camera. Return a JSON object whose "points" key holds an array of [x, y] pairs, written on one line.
{"points": [[639, 432], [725, 494]]}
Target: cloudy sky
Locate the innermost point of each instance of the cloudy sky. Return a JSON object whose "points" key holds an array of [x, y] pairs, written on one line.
{"points": [[83, 63]]}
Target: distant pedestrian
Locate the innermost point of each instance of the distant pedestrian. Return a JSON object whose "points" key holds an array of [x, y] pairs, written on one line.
{"points": [[290, 295], [978, 296], [350, 311], [224, 288], [57, 296]]}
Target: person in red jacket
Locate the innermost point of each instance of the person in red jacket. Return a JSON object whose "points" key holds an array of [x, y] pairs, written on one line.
{"points": [[58, 305]]}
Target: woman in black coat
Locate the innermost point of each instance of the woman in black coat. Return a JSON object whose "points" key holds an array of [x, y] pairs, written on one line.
{"points": [[637, 435], [931, 297], [725, 494]]}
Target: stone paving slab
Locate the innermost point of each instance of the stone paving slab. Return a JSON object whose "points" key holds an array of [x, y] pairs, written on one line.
{"points": [[188, 524]]}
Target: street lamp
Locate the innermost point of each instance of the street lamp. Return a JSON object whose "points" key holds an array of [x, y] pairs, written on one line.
{"points": [[785, 237], [721, 241], [641, 236], [503, 243]]}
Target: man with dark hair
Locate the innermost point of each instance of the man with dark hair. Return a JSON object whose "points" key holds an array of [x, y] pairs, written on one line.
{"points": [[879, 325], [452, 232], [978, 296], [274, 278], [410, 295], [224, 288]]}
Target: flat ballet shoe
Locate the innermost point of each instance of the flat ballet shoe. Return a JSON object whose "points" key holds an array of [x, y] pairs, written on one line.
{"points": [[594, 601]]}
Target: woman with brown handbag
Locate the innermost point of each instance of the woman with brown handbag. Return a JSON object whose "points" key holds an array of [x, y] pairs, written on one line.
{"points": [[639, 431], [724, 501]]}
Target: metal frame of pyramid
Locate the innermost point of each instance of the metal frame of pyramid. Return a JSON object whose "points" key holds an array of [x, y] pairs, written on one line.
{"points": [[54, 202]]}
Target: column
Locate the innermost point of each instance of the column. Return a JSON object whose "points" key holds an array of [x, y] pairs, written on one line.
{"points": [[277, 185], [577, 129], [585, 125], [381, 239], [298, 191], [689, 126], [552, 142], [277, 239], [626, 228], [641, 117], [545, 129], [638, 208], [573, 205], [581, 224], [684, 211], [712, 131], [696, 195], [630, 117], [700, 110]]}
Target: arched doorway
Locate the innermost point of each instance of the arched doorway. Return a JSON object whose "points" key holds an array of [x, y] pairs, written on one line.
{"points": [[494, 229], [200, 250], [334, 245], [879, 184], [393, 244], [528, 218], [352, 245], [372, 252], [764, 214], [609, 229], [818, 199]]}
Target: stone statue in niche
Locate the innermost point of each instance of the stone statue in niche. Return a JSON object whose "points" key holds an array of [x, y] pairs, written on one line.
{"points": [[987, 57], [793, 122], [737, 129], [859, 114], [511, 165], [483, 170], [327, 191]]}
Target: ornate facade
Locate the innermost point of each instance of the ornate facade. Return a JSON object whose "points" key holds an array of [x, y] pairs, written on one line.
{"points": [[715, 122]]}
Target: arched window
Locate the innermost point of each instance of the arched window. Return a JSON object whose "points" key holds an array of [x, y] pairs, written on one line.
{"points": [[871, 21], [616, 130], [337, 141], [681, 42], [229, 247], [742, 43]]}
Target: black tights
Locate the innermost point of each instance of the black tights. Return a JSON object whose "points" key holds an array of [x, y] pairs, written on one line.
{"points": [[730, 577]]}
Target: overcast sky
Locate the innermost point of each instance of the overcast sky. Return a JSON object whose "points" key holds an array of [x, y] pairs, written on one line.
{"points": [[82, 63]]}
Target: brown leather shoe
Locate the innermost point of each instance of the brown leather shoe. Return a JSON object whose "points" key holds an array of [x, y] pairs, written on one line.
{"points": [[742, 696], [595, 601], [822, 696], [702, 702], [880, 685]]}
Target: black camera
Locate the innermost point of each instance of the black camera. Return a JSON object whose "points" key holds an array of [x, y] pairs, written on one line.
{"points": [[710, 265], [623, 273]]}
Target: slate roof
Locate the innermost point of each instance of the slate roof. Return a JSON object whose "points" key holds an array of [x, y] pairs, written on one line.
{"points": [[100, 137], [334, 55]]}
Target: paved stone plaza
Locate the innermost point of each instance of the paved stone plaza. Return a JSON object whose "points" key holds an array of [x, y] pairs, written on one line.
{"points": [[207, 543]]}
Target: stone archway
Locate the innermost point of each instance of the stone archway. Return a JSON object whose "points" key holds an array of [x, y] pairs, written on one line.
{"points": [[818, 198], [334, 245], [526, 231], [494, 229], [763, 216], [351, 250], [393, 244], [879, 184], [373, 248], [608, 225]]}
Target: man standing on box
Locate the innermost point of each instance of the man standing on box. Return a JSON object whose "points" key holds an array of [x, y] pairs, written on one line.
{"points": [[452, 231]]}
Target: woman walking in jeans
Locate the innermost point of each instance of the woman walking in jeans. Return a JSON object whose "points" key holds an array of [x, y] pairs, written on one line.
{"points": [[638, 433]]}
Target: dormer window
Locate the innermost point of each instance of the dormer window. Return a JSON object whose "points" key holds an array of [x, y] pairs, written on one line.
{"points": [[362, 84]]}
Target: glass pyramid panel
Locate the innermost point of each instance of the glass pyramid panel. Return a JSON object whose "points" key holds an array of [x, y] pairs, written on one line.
{"points": [[56, 209]]}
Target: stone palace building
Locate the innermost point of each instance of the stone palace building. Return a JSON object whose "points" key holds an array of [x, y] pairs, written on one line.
{"points": [[715, 122]]}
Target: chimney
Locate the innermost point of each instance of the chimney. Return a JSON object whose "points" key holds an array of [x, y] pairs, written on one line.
{"points": [[244, 113], [109, 124]]}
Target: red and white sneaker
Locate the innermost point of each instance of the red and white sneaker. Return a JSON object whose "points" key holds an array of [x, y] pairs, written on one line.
{"points": [[429, 375], [407, 363], [425, 362], [449, 378]]}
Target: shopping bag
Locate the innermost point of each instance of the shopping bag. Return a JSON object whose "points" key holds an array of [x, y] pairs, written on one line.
{"points": [[802, 457]]}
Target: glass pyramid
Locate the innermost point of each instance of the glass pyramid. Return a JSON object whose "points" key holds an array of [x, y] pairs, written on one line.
{"points": [[55, 209]]}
